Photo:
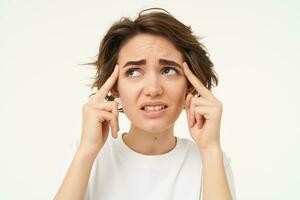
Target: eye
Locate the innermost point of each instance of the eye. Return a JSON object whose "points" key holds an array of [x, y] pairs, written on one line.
{"points": [[133, 72], [170, 71]]}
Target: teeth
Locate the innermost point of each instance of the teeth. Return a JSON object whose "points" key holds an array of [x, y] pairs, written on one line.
{"points": [[153, 108]]}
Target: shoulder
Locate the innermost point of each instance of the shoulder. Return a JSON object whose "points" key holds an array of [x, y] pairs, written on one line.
{"points": [[193, 151], [189, 144]]}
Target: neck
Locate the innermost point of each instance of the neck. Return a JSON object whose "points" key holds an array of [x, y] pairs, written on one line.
{"points": [[150, 143]]}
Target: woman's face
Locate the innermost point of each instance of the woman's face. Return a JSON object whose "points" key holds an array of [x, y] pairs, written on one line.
{"points": [[151, 83]]}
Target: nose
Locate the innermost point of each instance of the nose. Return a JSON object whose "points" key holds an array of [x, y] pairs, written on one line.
{"points": [[153, 87]]}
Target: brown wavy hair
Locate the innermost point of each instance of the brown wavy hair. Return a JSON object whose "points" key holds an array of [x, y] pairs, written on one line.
{"points": [[161, 23]]}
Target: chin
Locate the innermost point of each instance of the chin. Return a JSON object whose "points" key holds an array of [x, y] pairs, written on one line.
{"points": [[155, 127]]}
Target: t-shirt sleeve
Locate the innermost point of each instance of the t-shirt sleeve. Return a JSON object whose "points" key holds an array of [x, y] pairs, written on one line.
{"points": [[229, 175]]}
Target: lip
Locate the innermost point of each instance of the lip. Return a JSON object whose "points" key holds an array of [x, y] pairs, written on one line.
{"points": [[151, 103], [154, 114]]}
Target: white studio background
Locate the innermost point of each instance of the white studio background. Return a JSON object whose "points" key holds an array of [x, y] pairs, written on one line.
{"points": [[255, 48]]}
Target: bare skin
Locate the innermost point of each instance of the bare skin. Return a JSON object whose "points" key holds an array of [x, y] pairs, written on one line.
{"points": [[151, 77]]}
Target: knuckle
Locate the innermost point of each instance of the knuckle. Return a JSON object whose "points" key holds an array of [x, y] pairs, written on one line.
{"points": [[114, 106], [197, 111], [113, 103], [85, 107], [99, 118], [93, 112], [90, 110], [218, 109], [219, 104]]}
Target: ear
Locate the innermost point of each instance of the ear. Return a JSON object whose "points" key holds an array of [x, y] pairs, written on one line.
{"points": [[114, 91]]}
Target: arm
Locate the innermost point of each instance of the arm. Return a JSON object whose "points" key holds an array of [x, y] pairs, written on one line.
{"points": [[98, 116], [76, 180], [204, 113], [215, 185]]}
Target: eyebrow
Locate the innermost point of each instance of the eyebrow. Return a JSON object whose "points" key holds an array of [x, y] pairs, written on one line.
{"points": [[161, 61]]}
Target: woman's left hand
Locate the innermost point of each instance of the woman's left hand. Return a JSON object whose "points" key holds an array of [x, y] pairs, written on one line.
{"points": [[203, 114]]}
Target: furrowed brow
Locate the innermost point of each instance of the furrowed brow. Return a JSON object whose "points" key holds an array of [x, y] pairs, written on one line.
{"points": [[136, 62], [169, 62], [161, 61]]}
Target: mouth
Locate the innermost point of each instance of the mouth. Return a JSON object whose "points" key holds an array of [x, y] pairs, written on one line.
{"points": [[150, 108]]}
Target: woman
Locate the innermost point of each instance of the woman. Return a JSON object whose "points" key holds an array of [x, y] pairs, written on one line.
{"points": [[157, 68]]}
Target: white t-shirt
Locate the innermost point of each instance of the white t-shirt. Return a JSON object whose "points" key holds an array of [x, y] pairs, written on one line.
{"points": [[121, 173]]}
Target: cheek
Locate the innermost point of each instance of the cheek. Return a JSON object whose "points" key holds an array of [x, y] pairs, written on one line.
{"points": [[179, 88], [177, 91], [123, 87], [128, 93]]}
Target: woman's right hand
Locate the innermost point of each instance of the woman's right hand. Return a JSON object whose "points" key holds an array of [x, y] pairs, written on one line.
{"points": [[98, 116]]}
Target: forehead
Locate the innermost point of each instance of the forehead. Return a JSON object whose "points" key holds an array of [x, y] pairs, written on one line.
{"points": [[147, 46]]}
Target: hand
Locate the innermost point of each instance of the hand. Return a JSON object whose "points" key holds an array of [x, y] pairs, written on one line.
{"points": [[203, 113], [98, 115]]}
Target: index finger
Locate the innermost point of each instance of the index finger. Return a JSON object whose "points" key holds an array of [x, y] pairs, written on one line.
{"points": [[200, 88], [109, 83]]}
